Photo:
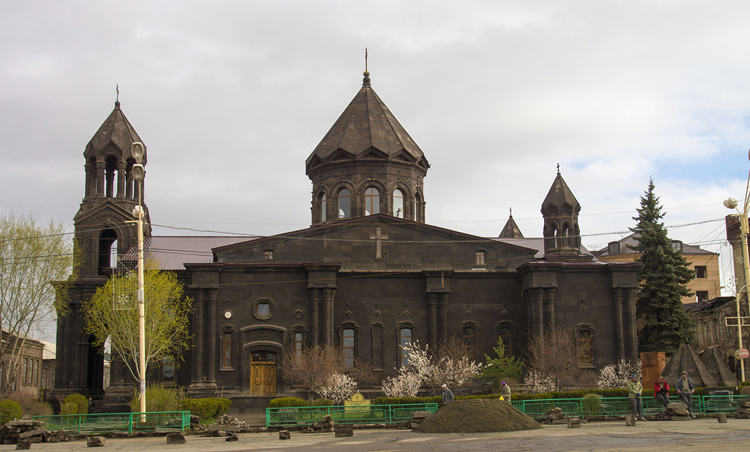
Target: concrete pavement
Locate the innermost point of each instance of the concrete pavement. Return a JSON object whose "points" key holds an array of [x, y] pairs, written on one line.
{"points": [[706, 434]]}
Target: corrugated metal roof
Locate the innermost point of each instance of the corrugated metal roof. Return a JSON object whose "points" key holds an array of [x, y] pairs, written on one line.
{"points": [[632, 240], [534, 243], [173, 252]]}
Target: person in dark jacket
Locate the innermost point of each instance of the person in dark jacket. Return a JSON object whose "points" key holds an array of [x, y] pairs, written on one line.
{"points": [[685, 389], [447, 395], [661, 391]]}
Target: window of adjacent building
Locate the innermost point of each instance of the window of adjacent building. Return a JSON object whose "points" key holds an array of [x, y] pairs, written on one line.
{"points": [[584, 347], [168, 370], [323, 206], [479, 260], [614, 248], [348, 346], [405, 340], [34, 373], [268, 255], [26, 371], [298, 347], [372, 201], [263, 309], [469, 336], [701, 295], [227, 356], [398, 203], [701, 271], [2, 379], [677, 246], [345, 205]]}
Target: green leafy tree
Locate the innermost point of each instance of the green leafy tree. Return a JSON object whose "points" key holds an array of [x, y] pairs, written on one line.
{"points": [[502, 368], [663, 278], [113, 313], [37, 262]]}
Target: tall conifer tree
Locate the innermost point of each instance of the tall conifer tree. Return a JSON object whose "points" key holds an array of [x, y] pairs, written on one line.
{"points": [[663, 278]]}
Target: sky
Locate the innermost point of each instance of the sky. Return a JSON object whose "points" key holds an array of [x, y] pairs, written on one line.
{"points": [[230, 97]]}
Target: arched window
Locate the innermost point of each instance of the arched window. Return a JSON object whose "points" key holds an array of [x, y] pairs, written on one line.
{"points": [[345, 203], [323, 207], [372, 201], [566, 235], [405, 335], [168, 371], [347, 341], [398, 203], [584, 347], [469, 337], [505, 333], [226, 359]]}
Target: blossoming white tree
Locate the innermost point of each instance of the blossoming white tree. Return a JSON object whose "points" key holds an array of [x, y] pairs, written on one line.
{"points": [[615, 376], [338, 388]]}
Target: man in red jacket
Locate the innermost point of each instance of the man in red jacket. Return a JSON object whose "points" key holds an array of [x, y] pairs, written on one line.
{"points": [[661, 391]]}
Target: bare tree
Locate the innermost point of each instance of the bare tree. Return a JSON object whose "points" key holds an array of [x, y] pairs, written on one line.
{"points": [[32, 257], [452, 365], [554, 355], [312, 368]]}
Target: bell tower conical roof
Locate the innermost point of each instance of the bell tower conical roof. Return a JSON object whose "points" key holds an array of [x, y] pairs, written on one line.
{"points": [[116, 134], [562, 235], [511, 229], [366, 164]]}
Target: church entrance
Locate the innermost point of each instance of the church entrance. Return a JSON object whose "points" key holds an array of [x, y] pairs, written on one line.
{"points": [[263, 374]]}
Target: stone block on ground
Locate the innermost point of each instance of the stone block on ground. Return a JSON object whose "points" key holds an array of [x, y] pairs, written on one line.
{"points": [[574, 422], [23, 444], [630, 420], [680, 417], [284, 434], [677, 406], [35, 439], [420, 414], [95, 441], [722, 418], [175, 438], [33, 432], [414, 424], [327, 418], [344, 431]]}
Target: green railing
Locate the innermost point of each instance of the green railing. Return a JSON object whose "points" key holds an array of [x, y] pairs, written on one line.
{"points": [[118, 422], [362, 414], [620, 406]]}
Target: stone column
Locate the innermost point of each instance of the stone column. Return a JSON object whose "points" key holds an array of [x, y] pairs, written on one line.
{"points": [[629, 325], [100, 179], [210, 297], [328, 309], [432, 300], [314, 295], [617, 295], [129, 181], [443, 301], [536, 297], [89, 190], [198, 348], [549, 308], [121, 179]]}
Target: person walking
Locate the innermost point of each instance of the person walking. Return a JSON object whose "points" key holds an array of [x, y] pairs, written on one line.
{"points": [[447, 395], [635, 389], [685, 389], [505, 392], [661, 391]]}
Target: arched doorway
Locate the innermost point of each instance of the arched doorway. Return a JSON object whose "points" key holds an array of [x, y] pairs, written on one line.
{"points": [[262, 374]]}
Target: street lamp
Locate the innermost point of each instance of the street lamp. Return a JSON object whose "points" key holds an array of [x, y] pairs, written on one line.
{"points": [[731, 203], [137, 150]]}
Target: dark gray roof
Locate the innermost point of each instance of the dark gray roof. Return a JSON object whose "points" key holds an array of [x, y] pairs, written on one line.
{"points": [[115, 131], [534, 243], [511, 229], [686, 359], [171, 253], [365, 127], [632, 240], [714, 362], [560, 197], [710, 305]]}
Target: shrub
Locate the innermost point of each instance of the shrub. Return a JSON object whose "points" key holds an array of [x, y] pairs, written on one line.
{"points": [[159, 398], [30, 405], [592, 405], [284, 402], [208, 408], [68, 408], [323, 402], [9, 410], [406, 400], [81, 402]]}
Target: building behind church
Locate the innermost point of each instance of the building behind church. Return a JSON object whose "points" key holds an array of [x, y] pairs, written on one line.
{"points": [[369, 274]]}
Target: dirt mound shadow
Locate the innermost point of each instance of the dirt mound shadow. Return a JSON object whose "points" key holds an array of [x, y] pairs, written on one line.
{"points": [[474, 416]]}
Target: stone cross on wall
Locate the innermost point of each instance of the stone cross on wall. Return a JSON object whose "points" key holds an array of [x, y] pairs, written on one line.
{"points": [[378, 247]]}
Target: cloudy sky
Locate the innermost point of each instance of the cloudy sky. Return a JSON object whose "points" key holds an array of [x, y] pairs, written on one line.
{"points": [[231, 97]]}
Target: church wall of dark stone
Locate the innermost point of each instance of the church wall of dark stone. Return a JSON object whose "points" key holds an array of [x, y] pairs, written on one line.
{"points": [[366, 281]]}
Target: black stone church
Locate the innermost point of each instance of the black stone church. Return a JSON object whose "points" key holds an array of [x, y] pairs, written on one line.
{"points": [[368, 275]]}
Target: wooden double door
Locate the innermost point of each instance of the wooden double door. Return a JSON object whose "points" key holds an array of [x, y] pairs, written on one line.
{"points": [[263, 374]]}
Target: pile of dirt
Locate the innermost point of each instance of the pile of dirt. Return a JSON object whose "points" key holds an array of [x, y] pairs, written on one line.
{"points": [[474, 416]]}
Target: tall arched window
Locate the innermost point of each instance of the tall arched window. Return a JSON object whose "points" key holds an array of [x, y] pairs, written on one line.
{"points": [[566, 235], [372, 201], [405, 335], [345, 203], [323, 207], [584, 346], [505, 333], [348, 346], [398, 203], [226, 361], [107, 250], [298, 347], [469, 337]]}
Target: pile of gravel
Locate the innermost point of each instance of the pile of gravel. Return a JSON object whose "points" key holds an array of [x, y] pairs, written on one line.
{"points": [[474, 416]]}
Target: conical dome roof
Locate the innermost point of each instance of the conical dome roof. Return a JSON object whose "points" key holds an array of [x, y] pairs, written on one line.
{"points": [[366, 129], [560, 197], [686, 359], [715, 364], [511, 229], [116, 132]]}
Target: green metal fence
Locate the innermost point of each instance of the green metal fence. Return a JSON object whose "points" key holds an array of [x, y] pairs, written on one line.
{"points": [[620, 406], [362, 414], [118, 422]]}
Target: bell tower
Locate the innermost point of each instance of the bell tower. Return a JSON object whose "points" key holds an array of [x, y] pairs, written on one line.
{"points": [[104, 224], [560, 208]]}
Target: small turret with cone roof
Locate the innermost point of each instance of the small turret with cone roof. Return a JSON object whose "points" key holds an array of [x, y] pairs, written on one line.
{"points": [[562, 235]]}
